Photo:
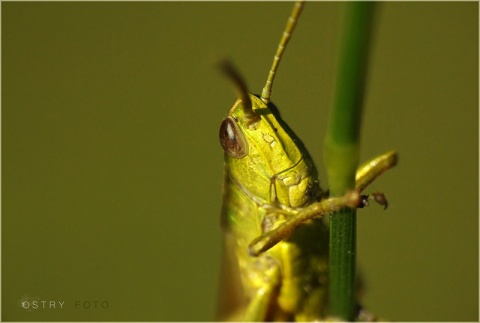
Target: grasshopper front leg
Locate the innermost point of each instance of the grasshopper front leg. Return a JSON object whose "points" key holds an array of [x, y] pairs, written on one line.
{"points": [[366, 174]]}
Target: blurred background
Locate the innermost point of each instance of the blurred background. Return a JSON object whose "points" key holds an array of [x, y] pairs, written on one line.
{"points": [[112, 170]]}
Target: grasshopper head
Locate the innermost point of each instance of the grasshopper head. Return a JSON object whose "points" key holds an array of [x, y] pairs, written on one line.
{"points": [[265, 158]]}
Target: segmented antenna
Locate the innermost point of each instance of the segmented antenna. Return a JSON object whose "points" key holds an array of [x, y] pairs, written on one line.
{"points": [[287, 33], [227, 67]]}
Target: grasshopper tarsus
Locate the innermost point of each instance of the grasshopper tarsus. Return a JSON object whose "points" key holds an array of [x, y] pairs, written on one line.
{"points": [[378, 197]]}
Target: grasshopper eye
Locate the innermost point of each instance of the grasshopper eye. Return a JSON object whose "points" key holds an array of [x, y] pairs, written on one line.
{"points": [[232, 139]]}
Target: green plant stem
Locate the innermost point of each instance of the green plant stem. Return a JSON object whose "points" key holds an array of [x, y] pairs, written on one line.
{"points": [[341, 152]]}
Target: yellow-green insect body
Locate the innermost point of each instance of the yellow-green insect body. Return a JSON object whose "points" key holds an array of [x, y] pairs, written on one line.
{"points": [[272, 176]]}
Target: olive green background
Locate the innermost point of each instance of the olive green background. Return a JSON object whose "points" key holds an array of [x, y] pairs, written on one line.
{"points": [[112, 170]]}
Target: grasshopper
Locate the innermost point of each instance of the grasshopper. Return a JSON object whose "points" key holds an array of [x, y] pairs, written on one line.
{"points": [[276, 239]]}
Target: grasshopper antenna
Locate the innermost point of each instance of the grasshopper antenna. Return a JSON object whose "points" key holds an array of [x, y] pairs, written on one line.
{"points": [[287, 33], [229, 70]]}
